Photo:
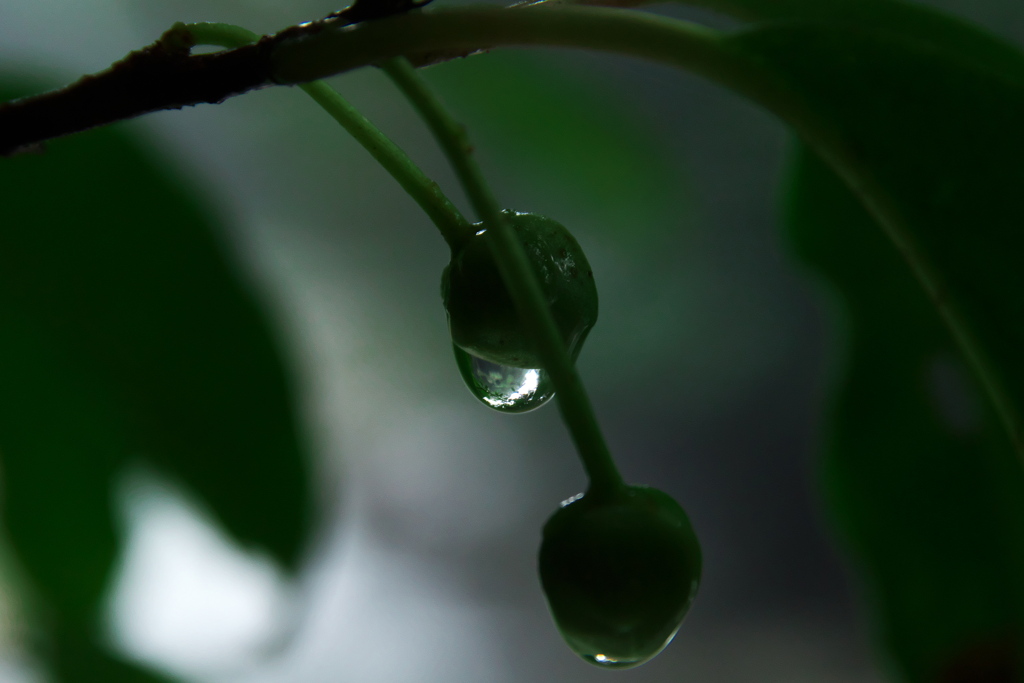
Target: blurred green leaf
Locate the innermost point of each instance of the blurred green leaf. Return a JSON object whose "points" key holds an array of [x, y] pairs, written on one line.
{"points": [[75, 658], [126, 332], [908, 19], [121, 265], [921, 113], [62, 440], [571, 138], [918, 473]]}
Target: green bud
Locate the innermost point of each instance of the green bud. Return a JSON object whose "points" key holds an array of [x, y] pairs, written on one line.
{"points": [[619, 574], [481, 315]]}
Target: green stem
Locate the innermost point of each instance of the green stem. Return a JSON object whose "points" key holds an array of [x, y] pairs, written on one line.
{"points": [[445, 33], [424, 191], [519, 278], [453, 226], [220, 35]]}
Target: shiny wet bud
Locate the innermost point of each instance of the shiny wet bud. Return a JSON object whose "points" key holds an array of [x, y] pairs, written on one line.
{"points": [[496, 350], [619, 574]]}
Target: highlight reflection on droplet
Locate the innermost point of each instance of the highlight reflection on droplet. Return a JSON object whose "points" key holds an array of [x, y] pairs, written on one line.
{"points": [[504, 388], [608, 661], [612, 662], [619, 572]]}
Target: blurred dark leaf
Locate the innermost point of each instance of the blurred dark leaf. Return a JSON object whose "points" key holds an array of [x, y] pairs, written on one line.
{"points": [[127, 332], [62, 440], [922, 115], [75, 658], [918, 473], [569, 135], [909, 19]]}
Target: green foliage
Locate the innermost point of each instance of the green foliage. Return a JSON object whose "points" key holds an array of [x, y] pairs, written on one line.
{"points": [[918, 473], [125, 332], [74, 658], [64, 440], [921, 118], [920, 115]]}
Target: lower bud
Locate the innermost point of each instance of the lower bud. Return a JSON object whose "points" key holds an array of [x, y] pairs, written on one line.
{"points": [[619, 574]]}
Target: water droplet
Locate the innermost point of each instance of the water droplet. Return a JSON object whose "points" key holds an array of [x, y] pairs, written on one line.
{"points": [[611, 662], [619, 661], [504, 388], [570, 501]]}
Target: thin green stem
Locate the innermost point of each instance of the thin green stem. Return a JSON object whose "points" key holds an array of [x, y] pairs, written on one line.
{"points": [[452, 224], [577, 412], [445, 33], [449, 32], [696, 49], [449, 133], [220, 35]]}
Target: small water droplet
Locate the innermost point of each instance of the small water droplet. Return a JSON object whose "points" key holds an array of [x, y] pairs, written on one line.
{"points": [[504, 388]]}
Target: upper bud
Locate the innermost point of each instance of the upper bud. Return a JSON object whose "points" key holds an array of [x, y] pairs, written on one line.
{"points": [[481, 315]]}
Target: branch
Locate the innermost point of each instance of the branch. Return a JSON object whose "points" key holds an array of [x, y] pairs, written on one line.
{"points": [[161, 76], [166, 75]]}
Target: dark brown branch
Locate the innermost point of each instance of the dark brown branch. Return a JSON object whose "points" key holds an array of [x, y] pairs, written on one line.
{"points": [[161, 76], [164, 75]]}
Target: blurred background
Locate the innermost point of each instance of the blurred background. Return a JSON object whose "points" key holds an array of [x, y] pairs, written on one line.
{"points": [[709, 368]]}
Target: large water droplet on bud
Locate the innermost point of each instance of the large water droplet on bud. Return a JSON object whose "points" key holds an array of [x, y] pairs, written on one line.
{"points": [[495, 354], [502, 387]]}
